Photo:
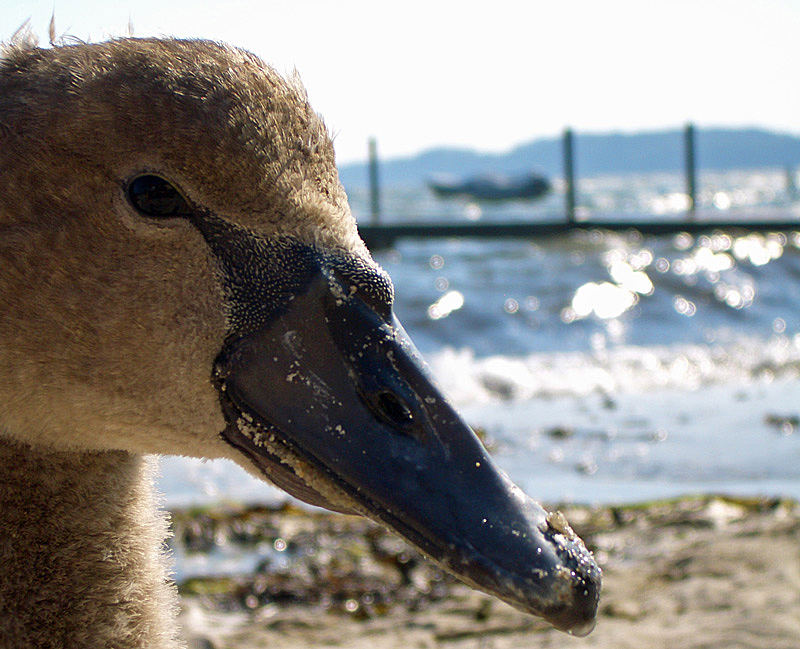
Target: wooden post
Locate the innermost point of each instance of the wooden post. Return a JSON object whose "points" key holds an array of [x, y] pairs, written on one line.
{"points": [[569, 175], [691, 170], [791, 184], [374, 186]]}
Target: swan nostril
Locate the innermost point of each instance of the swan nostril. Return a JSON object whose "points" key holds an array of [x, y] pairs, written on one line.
{"points": [[398, 408], [392, 408]]}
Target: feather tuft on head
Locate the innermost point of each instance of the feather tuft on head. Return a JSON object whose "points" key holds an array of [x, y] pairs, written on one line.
{"points": [[23, 39]]}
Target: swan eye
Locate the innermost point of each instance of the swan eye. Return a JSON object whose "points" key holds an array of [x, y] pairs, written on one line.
{"points": [[154, 196]]}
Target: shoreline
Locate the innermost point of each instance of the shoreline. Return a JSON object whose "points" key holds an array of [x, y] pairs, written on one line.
{"points": [[707, 571]]}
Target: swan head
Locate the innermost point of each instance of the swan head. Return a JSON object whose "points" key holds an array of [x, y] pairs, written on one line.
{"points": [[181, 274]]}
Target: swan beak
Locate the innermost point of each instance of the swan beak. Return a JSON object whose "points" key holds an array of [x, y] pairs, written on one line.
{"points": [[331, 401]]}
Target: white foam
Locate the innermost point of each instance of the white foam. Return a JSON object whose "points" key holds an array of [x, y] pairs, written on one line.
{"points": [[625, 369]]}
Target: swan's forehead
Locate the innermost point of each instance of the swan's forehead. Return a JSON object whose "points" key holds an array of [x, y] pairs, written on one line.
{"points": [[231, 132]]}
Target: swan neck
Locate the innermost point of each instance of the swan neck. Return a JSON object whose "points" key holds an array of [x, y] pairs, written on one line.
{"points": [[80, 544]]}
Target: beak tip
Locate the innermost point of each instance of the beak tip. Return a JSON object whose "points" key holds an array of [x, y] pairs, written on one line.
{"points": [[576, 580], [578, 616], [583, 629], [586, 598]]}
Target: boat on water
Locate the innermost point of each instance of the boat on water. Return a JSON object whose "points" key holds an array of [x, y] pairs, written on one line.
{"points": [[491, 187]]}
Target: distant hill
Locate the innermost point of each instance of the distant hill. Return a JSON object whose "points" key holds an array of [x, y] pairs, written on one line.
{"points": [[613, 153]]}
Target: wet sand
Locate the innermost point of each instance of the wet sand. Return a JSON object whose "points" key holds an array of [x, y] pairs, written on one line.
{"points": [[707, 572]]}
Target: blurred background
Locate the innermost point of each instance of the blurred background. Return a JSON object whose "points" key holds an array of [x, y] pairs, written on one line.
{"points": [[603, 367]]}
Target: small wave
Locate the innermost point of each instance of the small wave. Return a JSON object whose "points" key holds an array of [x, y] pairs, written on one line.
{"points": [[625, 369]]}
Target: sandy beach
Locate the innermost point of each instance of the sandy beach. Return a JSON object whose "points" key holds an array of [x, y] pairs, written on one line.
{"points": [[706, 572]]}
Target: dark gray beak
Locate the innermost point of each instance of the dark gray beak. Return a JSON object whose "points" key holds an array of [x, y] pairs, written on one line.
{"points": [[326, 394]]}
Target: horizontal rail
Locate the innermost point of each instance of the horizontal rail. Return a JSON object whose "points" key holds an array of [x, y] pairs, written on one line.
{"points": [[383, 235]]}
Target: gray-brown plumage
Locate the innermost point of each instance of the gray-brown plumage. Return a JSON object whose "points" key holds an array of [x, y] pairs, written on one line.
{"points": [[120, 336]]}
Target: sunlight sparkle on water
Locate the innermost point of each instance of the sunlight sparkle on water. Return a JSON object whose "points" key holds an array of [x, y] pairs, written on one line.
{"points": [[759, 249], [609, 300], [605, 300], [736, 297], [673, 203], [510, 305], [445, 305], [716, 261], [722, 201], [703, 259], [635, 281], [684, 306]]}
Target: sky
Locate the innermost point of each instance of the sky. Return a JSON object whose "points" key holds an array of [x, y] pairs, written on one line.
{"points": [[490, 74]]}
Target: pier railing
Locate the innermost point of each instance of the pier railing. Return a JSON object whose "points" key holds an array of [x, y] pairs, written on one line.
{"points": [[383, 234]]}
